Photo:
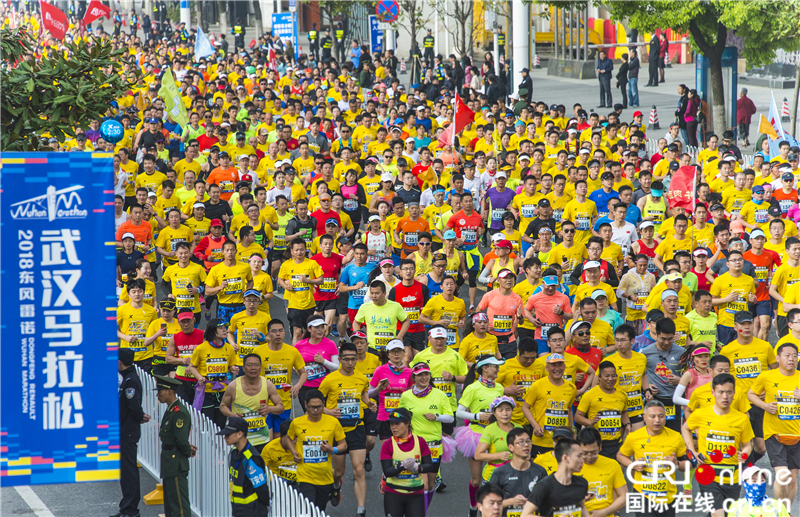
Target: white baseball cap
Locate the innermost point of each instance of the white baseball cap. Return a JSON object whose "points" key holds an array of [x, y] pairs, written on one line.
{"points": [[437, 332]]}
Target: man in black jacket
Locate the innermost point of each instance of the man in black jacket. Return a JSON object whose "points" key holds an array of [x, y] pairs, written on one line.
{"points": [[247, 472], [655, 51], [526, 84], [633, 80], [131, 417], [622, 80], [495, 91]]}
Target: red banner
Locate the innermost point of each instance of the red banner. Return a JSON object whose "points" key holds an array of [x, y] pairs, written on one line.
{"points": [[54, 21], [463, 117], [95, 10], [682, 188]]}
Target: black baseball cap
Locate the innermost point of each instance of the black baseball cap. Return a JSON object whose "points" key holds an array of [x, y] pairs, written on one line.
{"points": [[743, 317], [235, 424]]}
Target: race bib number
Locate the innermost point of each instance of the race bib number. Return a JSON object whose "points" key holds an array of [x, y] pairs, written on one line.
{"points": [[255, 422], [523, 385], [719, 442], [216, 368], [502, 324], [288, 471], [739, 305], [382, 339], [226, 186], [328, 285], [391, 401], [411, 238], [452, 337], [545, 328], [278, 377], [235, 285], [298, 284], [610, 421], [316, 371], [498, 213], [359, 293], [761, 274], [747, 367], [184, 301], [447, 387], [280, 242], [436, 450], [788, 407], [761, 216], [641, 298], [413, 314], [567, 511], [527, 211], [670, 410], [514, 511], [582, 223], [312, 453], [349, 408], [634, 401], [351, 205], [469, 236], [555, 418]]}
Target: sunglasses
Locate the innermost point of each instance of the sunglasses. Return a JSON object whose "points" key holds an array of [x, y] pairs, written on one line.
{"points": [[582, 333], [424, 243], [568, 231]]}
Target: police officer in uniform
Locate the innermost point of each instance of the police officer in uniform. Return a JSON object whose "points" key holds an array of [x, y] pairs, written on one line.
{"points": [[238, 34], [427, 44], [117, 22], [247, 472], [313, 39], [131, 417], [501, 42], [339, 42], [175, 449], [327, 45]]}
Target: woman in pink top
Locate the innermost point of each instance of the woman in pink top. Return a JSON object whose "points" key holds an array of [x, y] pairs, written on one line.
{"points": [[319, 353], [390, 380], [502, 305], [546, 309], [694, 377]]}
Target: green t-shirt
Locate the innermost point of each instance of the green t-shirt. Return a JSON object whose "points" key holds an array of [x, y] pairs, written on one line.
{"points": [[703, 329], [477, 398], [381, 322], [435, 402], [495, 438], [448, 360]]}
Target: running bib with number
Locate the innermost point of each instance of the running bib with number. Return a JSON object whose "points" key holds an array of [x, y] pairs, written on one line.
{"points": [[788, 407], [312, 453], [382, 339], [567, 511], [747, 367], [360, 293], [634, 401], [610, 421], [280, 242], [641, 298], [527, 211], [523, 385], [349, 408], [184, 301], [436, 450], [391, 401], [514, 511], [350, 205], [226, 186], [670, 410], [655, 490], [555, 418], [761, 273], [328, 285], [413, 314], [719, 442], [278, 377], [452, 337], [411, 238], [469, 236], [235, 285], [316, 371], [288, 471], [582, 223], [502, 324], [498, 213], [545, 328], [447, 387], [298, 284], [216, 368], [255, 422], [740, 305]]}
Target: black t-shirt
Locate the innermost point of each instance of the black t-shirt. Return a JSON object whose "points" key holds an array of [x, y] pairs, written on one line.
{"points": [[517, 482], [532, 230], [217, 211], [408, 195], [127, 262], [552, 499], [295, 225]]}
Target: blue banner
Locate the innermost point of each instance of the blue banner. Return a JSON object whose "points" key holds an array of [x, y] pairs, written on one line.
{"points": [[284, 26], [60, 418], [375, 35]]}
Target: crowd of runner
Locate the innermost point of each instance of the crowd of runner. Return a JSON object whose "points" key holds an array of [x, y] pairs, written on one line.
{"points": [[613, 328]]}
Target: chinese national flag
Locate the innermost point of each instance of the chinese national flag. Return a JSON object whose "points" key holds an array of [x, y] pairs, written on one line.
{"points": [[54, 20], [682, 188], [95, 10], [464, 116]]}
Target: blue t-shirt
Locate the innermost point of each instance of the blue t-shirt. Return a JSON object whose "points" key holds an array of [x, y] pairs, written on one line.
{"points": [[600, 221], [351, 275], [633, 215], [600, 199]]}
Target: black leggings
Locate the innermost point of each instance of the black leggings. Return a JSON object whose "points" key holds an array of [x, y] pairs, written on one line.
{"points": [[403, 505]]}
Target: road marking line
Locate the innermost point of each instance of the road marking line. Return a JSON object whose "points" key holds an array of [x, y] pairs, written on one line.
{"points": [[33, 501]]}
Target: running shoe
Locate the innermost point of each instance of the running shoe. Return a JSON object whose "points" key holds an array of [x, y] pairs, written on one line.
{"points": [[336, 496], [367, 463], [439, 485]]}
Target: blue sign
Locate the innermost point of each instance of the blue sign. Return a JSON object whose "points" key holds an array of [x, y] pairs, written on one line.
{"points": [[60, 418], [284, 26], [375, 35]]}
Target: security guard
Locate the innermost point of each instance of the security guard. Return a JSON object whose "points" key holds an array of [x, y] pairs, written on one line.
{"points": [[327, 45], [131, 417], [313, 39], [427, 44], [501, 42], [238, 34], [156, 18], [175, 449], [117, 22], [339, 42], [247, 473]]}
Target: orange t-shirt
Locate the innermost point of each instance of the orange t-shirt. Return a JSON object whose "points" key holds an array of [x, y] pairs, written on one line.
{"points": [[142, 233], [786, 201], [226, 179], [764, 263], [409, 233]]}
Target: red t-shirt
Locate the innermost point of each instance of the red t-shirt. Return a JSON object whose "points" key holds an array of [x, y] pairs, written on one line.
{"points": [[593, 358], [419, 169], [207, 142], [331, 267], [466, 227], [786, 201], [322, 217], [764, 263], [412, 299]]}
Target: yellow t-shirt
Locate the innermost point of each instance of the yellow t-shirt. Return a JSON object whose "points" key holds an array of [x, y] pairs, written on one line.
{"points": [[344, 392], [551, 407], [437, 308], [249, 331], [302, 295], [512, 373], [525, 290], [214, 363], [725, 284], [278, 366], [629, 379], [703, 397], [180, 278], [604, 477], [613, 254], [471, 347], [169, 238], [238, 276], [670, 246], [573, 255], [582, 215], [316, 467], [784, 279], [135, 322], [779, 388], [720, 432], [643, 447], [610, 407], [573, 365], [586, 290]]}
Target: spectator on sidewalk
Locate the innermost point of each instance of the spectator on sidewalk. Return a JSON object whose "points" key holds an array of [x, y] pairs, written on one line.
{"points": [[604, 69], [622, 80], [745, 109], [655, 51], [664, 49], [633, 80]]}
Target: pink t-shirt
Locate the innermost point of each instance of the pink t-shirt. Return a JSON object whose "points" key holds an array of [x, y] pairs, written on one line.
{"points": [[542, 306], [502, 312], [397, 385], [316, 372]]}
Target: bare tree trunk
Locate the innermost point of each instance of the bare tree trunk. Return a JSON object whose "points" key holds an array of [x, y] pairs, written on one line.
{"points": [[257, 16], [796, 94], [223, 17], [199, 14], [718, 94]]}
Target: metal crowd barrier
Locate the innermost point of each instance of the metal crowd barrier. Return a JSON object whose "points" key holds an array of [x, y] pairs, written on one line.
{"points": [[208, 470]]}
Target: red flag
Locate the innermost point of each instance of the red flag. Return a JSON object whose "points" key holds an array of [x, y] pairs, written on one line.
{"points": [[463, 116], [95, 10], [54, 20], [682, 188]]}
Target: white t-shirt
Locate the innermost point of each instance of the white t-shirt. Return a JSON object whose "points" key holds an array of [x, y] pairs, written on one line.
{"points": [[426, 198], [119, 220], [624, 236], [275, 192], [473, 185]]}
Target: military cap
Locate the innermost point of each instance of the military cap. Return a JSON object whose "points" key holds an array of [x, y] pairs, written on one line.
{"points": [[166, 383]]}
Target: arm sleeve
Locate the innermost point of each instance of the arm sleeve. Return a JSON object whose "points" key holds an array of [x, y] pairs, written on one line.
{"points": [[678, 398], [445, 419], [333, 364], [613, 280], [462, 412], [389, 468], [576, 275]]}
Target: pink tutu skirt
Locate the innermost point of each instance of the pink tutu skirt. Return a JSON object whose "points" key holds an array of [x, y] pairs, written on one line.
{"points": [[448, 449], [466, 441]]}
